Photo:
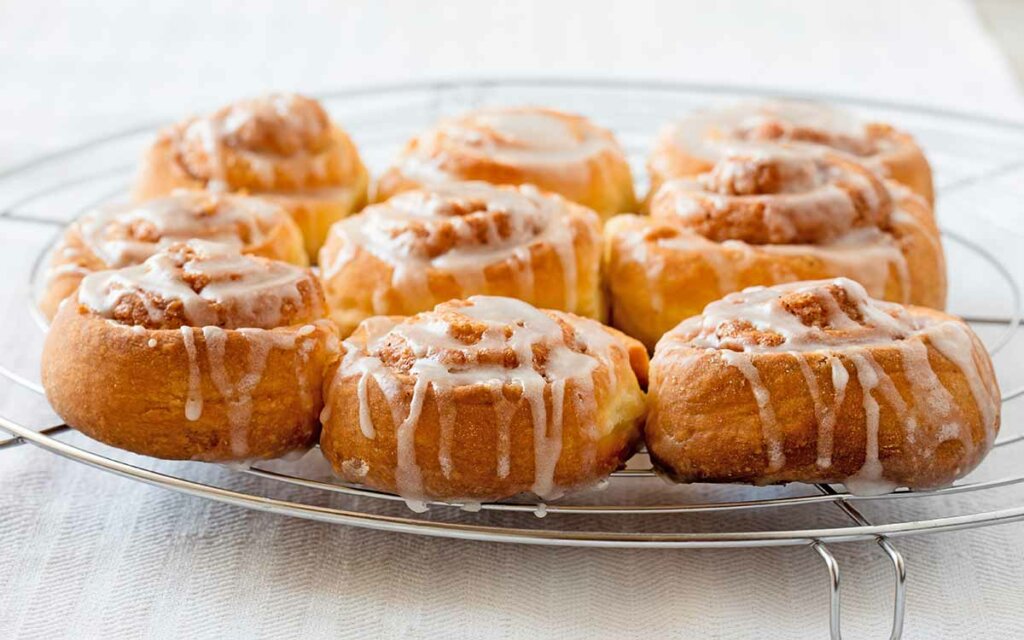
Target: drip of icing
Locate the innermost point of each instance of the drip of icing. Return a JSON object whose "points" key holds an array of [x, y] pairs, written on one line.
{"points": [[302, 370], [653, 263], [446, 413], [928, 389], [770, 431], [869, 480], [238, 394], [955, 342], [365, 419], [893, 397], [407, 474], [194, 400], [504, 413], [825, 414]]}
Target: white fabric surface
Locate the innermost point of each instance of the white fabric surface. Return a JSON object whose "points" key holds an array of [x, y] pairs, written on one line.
{"points": [[87, 555]]}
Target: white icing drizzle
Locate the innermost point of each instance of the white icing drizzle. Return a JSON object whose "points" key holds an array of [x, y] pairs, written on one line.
{"points": [[277, 134], [522, 137], [770, 429], [365, 419], [194, 399], [463, 229], [216, 285], [763, 309], [504, 413], [407, 474], [794, 202], [810, 198], [125, 235], [955, 342], [869, 480], [443, 362], [928, 388], [255, 290], [446, 419], [825, 414], [652, 261], [238, 394], [757, 123]]}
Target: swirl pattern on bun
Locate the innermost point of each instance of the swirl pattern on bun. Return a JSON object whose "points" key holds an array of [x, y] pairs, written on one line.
{"points": [[483, 399], [556, 151], [423, 247], [694, 144], [764, 218], [280, 146], [126, 235], [817, 382], [198, 353]]}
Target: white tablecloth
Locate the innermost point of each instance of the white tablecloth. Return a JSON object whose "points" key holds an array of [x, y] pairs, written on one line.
{"points": [[87, 555]]}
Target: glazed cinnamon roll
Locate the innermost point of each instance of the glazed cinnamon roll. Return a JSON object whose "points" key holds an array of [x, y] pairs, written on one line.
{"points": [[198, 353], [765, 218], [482, 399], [125, 235], [281, 146], [817, 382], [454, 240], [556, 151], [694, 144]]}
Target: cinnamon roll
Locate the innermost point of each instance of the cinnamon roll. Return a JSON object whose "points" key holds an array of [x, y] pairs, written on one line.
{"points": [[281, 146], [694, 144], [482, 399], [556, 151], [125, 235], [453, 240], [764, 218], [198, 353], [817, 382]]}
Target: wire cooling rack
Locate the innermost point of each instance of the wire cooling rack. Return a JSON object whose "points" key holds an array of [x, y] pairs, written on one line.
{"points": [[979, 166]]}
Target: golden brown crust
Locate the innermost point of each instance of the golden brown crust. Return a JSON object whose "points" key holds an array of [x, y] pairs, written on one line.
{"points": [[558, 152], [687, 148], [660, 270], [452, 241], [282, 147], [936, 416], [106, 380], [126, 235], [137, 372], [471, 434]]}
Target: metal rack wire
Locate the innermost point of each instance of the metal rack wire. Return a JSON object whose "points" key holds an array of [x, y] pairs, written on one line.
{"points": [[636, 509]]}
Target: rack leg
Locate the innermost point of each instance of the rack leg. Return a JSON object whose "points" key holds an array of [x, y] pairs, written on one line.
{"points": [[899, 598], [834, 626]]}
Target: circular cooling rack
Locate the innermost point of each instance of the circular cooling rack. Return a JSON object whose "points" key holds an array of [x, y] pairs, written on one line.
{"points": [[979, 169]]}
